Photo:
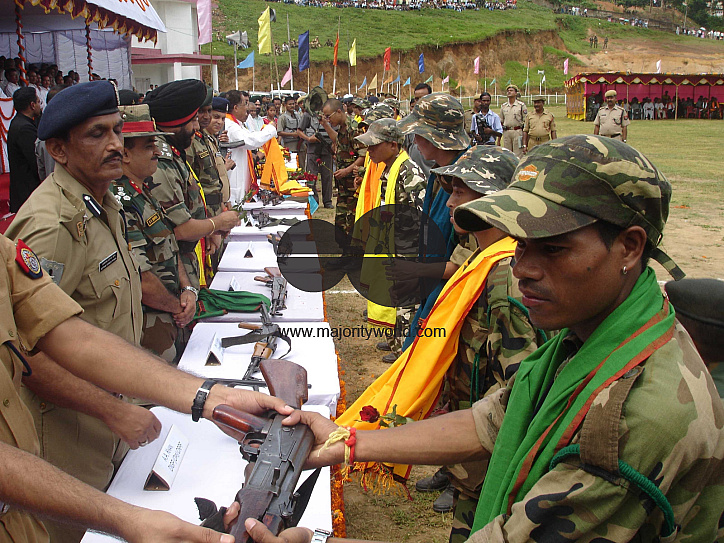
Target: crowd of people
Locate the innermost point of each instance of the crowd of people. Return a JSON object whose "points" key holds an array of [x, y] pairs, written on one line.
{"points": [[567, 397], [412, 5], [663, 107]]}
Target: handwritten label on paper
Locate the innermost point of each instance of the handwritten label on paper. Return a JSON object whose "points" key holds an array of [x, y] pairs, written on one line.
{"points": [[168, 461], [216, 352], [234, 285]]}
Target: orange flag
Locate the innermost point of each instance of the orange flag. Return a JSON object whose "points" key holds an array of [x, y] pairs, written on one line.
{"points": [[388, 58], [336, 48]]}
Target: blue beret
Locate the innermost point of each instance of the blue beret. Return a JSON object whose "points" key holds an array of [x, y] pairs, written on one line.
{"points": [[75, 104], [220, 104]]}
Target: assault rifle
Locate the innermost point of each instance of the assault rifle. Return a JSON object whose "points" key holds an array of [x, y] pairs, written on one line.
{"points": [[278, 285], [261, 217], [275, 454], [270, 197], [265, 336]]}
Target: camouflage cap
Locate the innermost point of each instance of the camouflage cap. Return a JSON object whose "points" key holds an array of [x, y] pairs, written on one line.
{"points": [[392, 102], [439, 118], [572, 182], [375, 113], [483, 168], [137, 122], [381, 131], [361, 102]]}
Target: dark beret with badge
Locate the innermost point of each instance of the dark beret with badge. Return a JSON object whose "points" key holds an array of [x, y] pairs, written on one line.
{"points": [[74, 105], [220, 104], [177, 103], [127, 97]]}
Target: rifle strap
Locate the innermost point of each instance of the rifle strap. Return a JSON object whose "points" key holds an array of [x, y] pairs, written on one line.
{"points": [[255, 337]]}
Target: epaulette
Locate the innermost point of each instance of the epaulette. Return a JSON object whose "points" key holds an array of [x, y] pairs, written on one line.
{"points": [[198, 134], [165, 148]]}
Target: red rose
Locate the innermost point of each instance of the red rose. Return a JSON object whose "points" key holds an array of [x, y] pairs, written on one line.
{"points": [[369, 414]]}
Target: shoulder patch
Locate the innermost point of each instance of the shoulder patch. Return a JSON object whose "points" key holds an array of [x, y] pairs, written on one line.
{"points": [[165, 149], [27, 261]]}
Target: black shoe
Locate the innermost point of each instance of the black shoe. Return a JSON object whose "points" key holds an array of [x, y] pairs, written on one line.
{"points": [[382, 346], [328, 206], [444, 502], [439, 481], [389, 358]]}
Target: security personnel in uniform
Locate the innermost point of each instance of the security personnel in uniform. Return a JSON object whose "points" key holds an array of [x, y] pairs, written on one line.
{"points": [[540, 126], [612, 120], [76, 226], [512, 116], [174, 107], [169, 300]]}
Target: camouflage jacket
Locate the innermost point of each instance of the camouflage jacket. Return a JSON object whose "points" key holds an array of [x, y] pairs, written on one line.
{"points": [[410, 190], [495, 338], [201, 155], [348, 148], [178, 193], [150, 237], [668, 425]]}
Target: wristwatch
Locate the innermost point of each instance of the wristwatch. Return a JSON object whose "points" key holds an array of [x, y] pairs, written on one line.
{"points": [[197, 409], [320, 536], [192, 289]]}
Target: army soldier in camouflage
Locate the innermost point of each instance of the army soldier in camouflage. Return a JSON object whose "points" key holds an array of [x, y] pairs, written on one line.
{"points": [[611, 120], [610, 431], [512, 116], [347, 158], [174, 107], [168, 298], [540, 126], [497, 334]]}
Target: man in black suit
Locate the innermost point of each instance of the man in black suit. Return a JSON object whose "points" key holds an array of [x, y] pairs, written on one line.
{"points": [[21, 147]]}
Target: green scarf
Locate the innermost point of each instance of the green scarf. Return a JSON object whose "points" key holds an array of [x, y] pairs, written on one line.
{"points": [[214, 303], [528, 440]]}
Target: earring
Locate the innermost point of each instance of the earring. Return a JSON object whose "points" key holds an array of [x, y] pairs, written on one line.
{"points": [[624, 270]]}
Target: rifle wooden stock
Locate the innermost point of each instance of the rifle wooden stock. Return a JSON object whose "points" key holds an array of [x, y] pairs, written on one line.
{"points": [[254, 503], [237, 420], [248, 326], [286, 380], [273, 271], [262, 350], [263, 279]]}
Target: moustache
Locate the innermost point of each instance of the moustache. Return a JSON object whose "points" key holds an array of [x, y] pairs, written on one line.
{"points": [[535, 291], [113, 156]]}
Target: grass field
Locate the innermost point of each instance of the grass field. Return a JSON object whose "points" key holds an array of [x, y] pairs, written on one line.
{"points": [[408, 31]]}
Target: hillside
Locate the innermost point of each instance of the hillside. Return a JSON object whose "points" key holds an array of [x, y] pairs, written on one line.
{"points": [[505, 41]]}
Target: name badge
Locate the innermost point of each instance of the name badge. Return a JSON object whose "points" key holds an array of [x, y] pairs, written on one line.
{"points": [[153, 219], [107, 261]]}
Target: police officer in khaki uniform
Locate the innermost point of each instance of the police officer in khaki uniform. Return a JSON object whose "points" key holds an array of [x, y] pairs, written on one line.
{"points": [[540, 126], [612, 120], [39, 315], [76, 227], [512, 116]]}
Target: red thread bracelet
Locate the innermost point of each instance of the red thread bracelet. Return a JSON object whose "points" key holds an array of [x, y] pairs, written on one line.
{"points": [[351, 442]]}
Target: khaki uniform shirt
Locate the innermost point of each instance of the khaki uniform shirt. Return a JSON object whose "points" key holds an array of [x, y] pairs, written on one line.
{"points": [[610, 121], [85, 253], [30, 309], [669, 429], [539, 126], [513, 116]]}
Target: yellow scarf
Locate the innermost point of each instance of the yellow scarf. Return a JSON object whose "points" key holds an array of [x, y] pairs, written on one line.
{"points": [[371, 196], [414, 381]]}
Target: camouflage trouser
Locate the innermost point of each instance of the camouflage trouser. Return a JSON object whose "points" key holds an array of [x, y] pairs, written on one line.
{"points": [[511, 141], [463, 516], [191, 265], [395, 341], [161, 336], [346, 205]]}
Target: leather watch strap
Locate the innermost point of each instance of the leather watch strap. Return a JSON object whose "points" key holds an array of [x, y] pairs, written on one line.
{"points": [[197, 409]]}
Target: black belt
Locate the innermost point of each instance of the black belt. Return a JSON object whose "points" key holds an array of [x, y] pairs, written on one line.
{"points": [[512, 128]]}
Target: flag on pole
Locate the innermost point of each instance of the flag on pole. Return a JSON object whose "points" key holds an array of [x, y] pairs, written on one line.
{"points": [[541, 72], [565, 67], [321, 80], [476, 66], [446, 80], [248, 62], [493, 81], [421, 63], [373, 83], [336, 50], [264, 33], [407, 82], [203, 14], [353, 53], [303, 51], [287, 76], [510, 81], [658, 67], [364, 83], [387, 58], [388, 80], [428, 80], [543, 79], [397, 80]]}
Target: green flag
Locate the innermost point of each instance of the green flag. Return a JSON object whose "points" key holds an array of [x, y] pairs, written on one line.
{"points": [[429, 80], [510, 81]]}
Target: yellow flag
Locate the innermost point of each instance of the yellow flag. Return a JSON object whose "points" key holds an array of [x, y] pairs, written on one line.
{"points": [[373, 83], [353, 53], [264, 33]]}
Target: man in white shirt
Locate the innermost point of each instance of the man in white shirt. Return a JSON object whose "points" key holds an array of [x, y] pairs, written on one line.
{"points": [[240, 178], [12, 85], [253, 121]]}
